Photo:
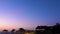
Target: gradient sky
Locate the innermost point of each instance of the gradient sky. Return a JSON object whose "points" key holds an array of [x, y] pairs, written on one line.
{"points": [[28, 13]]}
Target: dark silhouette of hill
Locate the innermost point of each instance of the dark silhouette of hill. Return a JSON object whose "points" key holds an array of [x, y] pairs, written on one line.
{"points": [[20, 31], [48, 29], [5, 31], [13, 31]]}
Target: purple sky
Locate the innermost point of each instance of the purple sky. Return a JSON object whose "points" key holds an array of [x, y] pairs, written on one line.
{"points": [[29, 13]]}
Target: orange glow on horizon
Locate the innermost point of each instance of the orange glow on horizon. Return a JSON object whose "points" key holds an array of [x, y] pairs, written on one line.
{"points": [[6, 27]]}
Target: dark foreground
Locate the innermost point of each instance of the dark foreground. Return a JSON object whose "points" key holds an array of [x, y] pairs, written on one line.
{"points": [[38, 30]]}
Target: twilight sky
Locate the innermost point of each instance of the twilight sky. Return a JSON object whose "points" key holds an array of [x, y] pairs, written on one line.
{"points": [[28, 13]]}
